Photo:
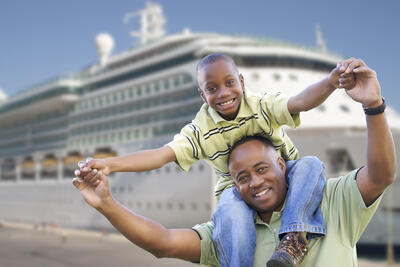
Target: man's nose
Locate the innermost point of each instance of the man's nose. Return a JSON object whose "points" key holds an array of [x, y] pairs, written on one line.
{"points": [[255, 181]]}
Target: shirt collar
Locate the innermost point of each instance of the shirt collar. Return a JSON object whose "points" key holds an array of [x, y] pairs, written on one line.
{"points": [[244, 111], [276, 216]]}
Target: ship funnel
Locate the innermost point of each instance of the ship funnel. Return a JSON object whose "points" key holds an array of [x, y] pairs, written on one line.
{"points": [[104, 46]]}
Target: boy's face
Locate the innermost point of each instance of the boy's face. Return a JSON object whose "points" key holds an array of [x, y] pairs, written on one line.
{"points": [[221, 87]]}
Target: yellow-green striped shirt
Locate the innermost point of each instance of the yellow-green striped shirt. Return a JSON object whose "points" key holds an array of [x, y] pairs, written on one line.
{"points": [[210, 137]]}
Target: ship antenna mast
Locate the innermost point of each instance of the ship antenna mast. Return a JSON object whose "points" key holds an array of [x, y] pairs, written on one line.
{"points": [[151, 22], [321, 44]]}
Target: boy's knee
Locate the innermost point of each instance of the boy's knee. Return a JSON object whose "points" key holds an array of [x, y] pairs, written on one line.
{"points": [[311, 161]]}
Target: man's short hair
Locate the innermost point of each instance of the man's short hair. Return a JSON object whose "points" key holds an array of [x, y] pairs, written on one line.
{"points": [[246, 139], [211, 58]]}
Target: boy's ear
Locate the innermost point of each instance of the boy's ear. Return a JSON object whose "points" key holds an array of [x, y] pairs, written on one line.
{"points": [[202, 94], [241, 78]]}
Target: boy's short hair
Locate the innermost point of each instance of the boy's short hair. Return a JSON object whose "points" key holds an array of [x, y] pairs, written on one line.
{"points": [[211, 58], [246, 139]]}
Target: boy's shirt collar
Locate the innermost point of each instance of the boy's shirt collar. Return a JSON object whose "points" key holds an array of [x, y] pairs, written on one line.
{"points": [[244, 112]]}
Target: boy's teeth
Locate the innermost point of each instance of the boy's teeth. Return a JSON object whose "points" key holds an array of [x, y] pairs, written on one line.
{"points": [[262, 193], [227, 102]]}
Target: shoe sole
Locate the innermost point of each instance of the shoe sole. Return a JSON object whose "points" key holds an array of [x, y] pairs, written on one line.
{"points": [[280, 260]]}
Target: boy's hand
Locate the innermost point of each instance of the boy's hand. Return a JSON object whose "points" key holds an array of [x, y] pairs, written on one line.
{"points": [[95, 194], [85, 168], [338, 78]]}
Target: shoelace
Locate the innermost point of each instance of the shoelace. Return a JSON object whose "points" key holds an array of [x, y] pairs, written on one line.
{"points": [[295, 247]]}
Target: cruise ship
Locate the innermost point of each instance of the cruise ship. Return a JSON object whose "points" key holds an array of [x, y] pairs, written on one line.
{"points": [[140, 98]]}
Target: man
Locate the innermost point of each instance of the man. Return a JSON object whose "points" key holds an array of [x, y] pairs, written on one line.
{"points": [[259, 176]]}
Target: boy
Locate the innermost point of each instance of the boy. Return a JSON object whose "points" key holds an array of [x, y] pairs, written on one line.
{"points": [[229, 114]]}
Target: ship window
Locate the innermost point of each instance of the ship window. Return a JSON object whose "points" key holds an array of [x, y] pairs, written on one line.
{"points": [[157, 86], [8, 170], [339, 161], [169, 205], [194, 206], [158, 205], [277, 77], [176, 81], [255, 76], [121, 189], [139, 204], [292, 77], [321, 107], [166, 84], [149, 205], [187, 79], [167, 169], [131, 93], [139, 91], [345, 108], [148, 90], [181, 206]]}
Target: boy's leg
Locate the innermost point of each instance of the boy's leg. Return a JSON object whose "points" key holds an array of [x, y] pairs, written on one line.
{"points": [[234, 230], [306, 180]]}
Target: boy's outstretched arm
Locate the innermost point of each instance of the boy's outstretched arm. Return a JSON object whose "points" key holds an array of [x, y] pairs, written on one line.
{"points": [[149, 235], [144, 160], [315, 94]]}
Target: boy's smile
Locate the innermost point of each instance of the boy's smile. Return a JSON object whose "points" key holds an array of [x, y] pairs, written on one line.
{"points": [[221, 87]]}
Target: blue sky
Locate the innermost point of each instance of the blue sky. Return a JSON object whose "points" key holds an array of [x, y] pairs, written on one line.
{"points": [[43, 38]]}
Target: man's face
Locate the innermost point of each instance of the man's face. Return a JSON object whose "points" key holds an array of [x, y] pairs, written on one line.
{"points": [[258, 173], [221, 87]]}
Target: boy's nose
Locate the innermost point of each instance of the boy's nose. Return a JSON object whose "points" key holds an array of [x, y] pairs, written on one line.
{"points": [[224, 91]]}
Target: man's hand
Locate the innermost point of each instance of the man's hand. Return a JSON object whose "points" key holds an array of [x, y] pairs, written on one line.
{"points": [[339, 79], [96, 194], [367, 90]]}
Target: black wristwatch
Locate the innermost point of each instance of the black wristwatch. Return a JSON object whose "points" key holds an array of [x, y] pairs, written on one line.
{"points": [[378, 110]]}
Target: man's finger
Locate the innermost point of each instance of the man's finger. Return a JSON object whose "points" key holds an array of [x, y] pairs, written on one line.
{"points": [[353, 65]]}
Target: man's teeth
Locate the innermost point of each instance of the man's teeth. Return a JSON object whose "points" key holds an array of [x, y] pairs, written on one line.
{"points": [[227, 102], [262, 192]]}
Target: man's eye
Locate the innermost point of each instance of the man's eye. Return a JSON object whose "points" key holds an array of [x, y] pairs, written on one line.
{"points": [[243, 179], [261, 169]]}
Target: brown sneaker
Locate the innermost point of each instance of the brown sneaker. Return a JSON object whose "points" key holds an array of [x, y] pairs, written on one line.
{"points": [[290, 252]]}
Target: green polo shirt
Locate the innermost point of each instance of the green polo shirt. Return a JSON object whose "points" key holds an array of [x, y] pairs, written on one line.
{"points": [[345, 216], [210, 137]]}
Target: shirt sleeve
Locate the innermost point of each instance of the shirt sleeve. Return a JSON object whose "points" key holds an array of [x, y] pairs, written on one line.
{"points": [[274, 107], [347, 208], [209, 252], [186, 146]]}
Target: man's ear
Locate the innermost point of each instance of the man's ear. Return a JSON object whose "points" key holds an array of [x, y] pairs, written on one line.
{"points": [[202, 94], [282, 164], [241, 79]]}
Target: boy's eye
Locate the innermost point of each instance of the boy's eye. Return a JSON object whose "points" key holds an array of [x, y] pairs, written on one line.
{"points": [[230, 82], [211, 89]]}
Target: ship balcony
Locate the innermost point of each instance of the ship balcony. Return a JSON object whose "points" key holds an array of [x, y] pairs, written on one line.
{"points": [[50, 104]]}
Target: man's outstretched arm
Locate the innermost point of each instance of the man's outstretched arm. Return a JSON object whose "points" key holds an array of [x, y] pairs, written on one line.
{"points": [[379, 172], [145, 233]]}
